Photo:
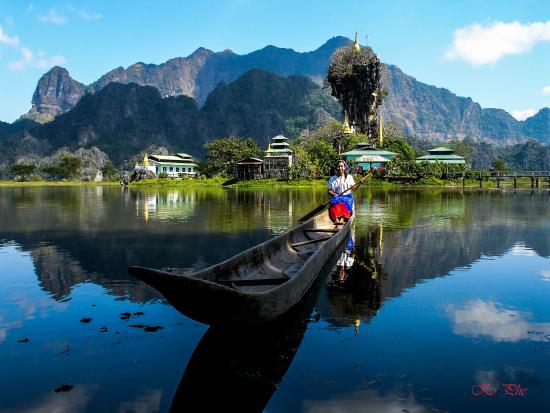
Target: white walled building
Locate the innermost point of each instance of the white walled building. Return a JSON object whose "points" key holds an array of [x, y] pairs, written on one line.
{"points": [[175, 166]]}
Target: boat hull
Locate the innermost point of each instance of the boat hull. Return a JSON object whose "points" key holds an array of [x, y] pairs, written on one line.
{"points": [[210, 297]]}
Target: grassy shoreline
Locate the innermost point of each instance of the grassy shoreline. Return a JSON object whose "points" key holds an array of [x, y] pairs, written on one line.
{"points": [[7, 184], [219, 182]]}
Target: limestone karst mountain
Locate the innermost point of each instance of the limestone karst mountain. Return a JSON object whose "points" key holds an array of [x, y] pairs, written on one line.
{"points": [[122, 120], [422, 110]]}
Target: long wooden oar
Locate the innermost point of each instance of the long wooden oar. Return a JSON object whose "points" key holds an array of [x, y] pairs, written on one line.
{"points": [[325, 205]]}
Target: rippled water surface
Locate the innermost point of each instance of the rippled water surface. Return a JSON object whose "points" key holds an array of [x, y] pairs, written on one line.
{"points": [[444, 305]]}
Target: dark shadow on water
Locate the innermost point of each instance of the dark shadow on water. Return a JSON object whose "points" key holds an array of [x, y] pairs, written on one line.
{"points": [[239, 369]]}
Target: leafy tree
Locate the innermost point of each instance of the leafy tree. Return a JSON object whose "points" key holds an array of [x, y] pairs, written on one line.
{"points": [[67, 168], [464, 149], [331, 132], [499, 166], [312, 158], [223, 154], [302, 166], [403, 150], [350, 141], [400, 167], [323, 156], [531, 156], [23, 170], [109, 171]]}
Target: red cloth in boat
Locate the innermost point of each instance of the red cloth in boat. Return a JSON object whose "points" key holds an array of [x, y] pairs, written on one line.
{"points": [[338, 211]]}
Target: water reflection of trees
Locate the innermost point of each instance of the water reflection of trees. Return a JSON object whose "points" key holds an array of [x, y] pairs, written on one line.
{"points": [[92, 233], [404, 238]]}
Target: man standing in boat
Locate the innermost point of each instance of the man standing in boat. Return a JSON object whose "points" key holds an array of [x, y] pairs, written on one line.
{"points": [[341, 204]]}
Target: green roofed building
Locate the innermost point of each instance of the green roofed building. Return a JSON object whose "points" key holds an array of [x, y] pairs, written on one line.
{"points": [[365, 156], [443, 155]]}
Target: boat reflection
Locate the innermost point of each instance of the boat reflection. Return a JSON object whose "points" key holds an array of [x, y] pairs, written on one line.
{"points": [[240, 369]]}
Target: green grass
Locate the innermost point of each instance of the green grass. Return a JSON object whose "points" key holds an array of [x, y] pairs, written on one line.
{"points": [[279, 183], [522, 183], [57, 183], [231, 183], [185, 183]]}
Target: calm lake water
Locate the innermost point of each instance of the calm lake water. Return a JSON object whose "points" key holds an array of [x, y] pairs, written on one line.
{"points": [[445, 305]]}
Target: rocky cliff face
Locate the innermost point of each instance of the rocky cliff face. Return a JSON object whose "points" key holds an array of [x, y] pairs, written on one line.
{"points": [[174, 78], [422, 110], [538, 126], [122, 120], [194, 76], [4, 128], [429, 111], [56, 93]]}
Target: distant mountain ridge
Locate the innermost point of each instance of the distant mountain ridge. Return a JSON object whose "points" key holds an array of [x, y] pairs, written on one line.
{"points": [[124, 119], [194, 76], [422, 110], [428, 111]]}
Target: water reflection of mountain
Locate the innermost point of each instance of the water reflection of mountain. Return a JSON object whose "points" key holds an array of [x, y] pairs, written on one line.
{"points": [[491, 225], [93, 233], [410, 237]]}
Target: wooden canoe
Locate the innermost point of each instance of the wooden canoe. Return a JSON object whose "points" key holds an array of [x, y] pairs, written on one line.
{"points": [[257, 285], [245, 365]]}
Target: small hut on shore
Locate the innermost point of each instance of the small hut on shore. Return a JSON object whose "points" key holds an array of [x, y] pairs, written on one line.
{"points": [[250, 169]]}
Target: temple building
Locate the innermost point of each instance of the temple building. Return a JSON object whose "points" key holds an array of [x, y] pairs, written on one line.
{"points": [[175, 166], [443, 155], [145, 165], [250, 169], [278, 158], [365, 156]]}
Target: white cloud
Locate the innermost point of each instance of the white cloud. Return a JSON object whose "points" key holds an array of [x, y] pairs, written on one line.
{"points": [[480, 45], [522, 114], [86, 15], [478, 318], [65, 402], [366, 401], [545, 90], [144, 403], [545, 274], [8, 40], [41, 62], [53, 17]]}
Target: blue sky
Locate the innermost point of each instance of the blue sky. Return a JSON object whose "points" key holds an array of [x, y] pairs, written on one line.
{"points": [[496, 52]]}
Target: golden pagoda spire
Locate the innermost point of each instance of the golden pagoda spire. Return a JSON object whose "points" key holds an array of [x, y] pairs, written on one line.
{"points": [[145, 160], [346, 130], [356, 46], [356, 324]]}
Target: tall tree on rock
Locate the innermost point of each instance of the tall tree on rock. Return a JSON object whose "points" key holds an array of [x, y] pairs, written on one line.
{"points": [[355, 77]]}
